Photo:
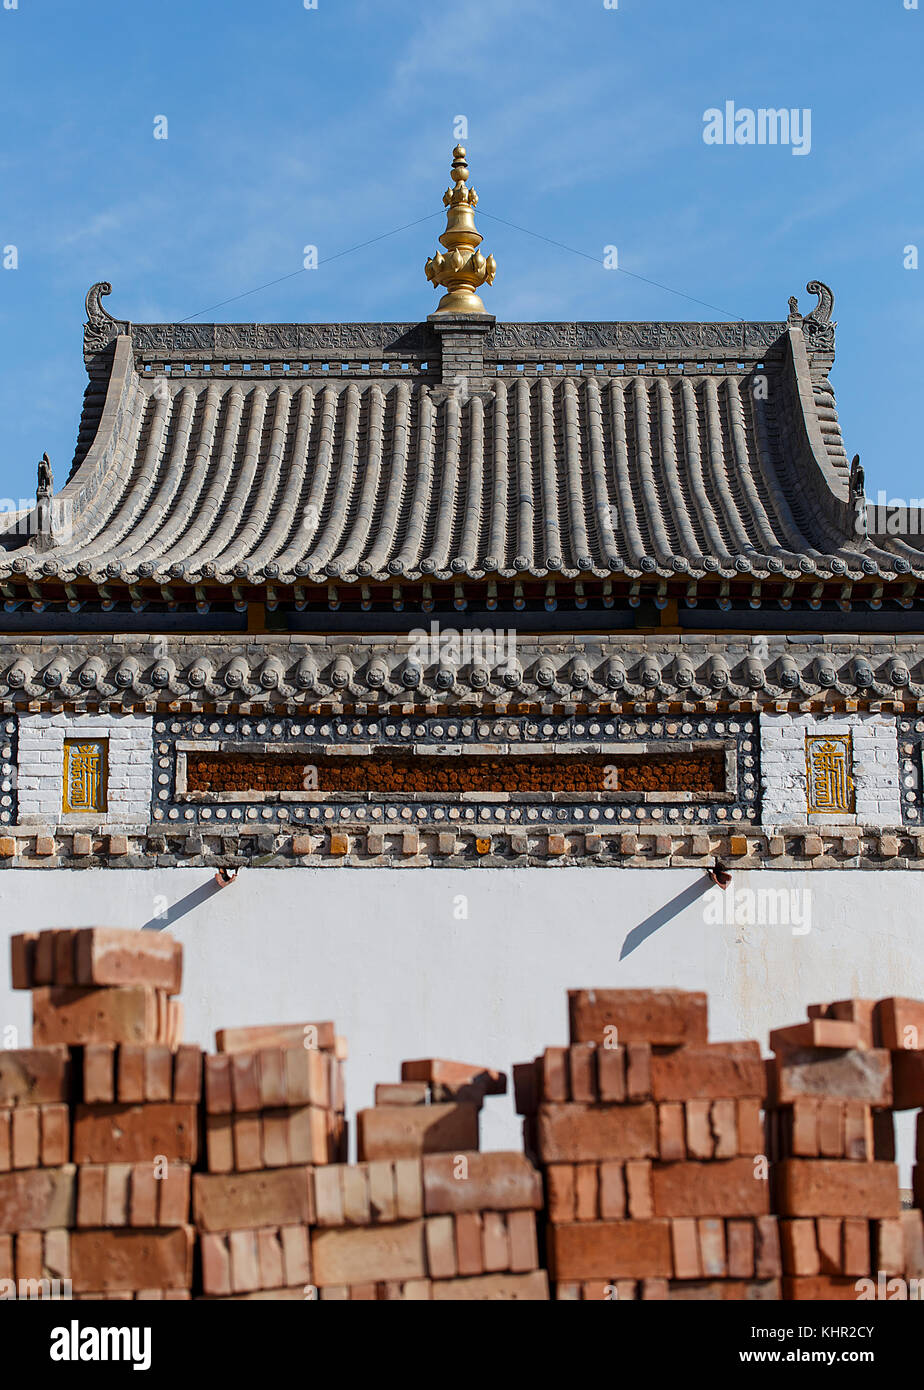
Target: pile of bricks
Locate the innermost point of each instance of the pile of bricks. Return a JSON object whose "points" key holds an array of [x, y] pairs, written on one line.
{"points": [[102, 1118], [424, 1215], [274, 1114], [650, 1141], [831, 1135]]}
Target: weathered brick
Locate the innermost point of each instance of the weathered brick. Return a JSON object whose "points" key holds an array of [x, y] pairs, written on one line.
{"points": [[829, 1187], [407, 1131], [77, 1015], [279, 1197], [38, 1199], [579, 1133], [375, 1252], [34, 1075], [135, 1133], [610, 1250], [723, 1187], [103, 1261], [662, 1017], [482, 1182], [111, 956], [720, 1070]]}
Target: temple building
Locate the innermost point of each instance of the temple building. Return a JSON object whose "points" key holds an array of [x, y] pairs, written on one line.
{"points": [[473, 646]]}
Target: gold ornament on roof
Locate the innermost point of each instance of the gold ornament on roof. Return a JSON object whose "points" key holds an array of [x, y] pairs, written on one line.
{"points": [[464, 269]]}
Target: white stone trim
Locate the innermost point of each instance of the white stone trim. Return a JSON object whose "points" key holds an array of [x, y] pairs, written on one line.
{"points": [[876, 771], [130, 763]]}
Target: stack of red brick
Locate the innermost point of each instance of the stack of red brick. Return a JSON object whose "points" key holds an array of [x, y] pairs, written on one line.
{"points": [[424, 1215], [650, 1143], [274, 1102], [108, 1087], [831, 1135]]}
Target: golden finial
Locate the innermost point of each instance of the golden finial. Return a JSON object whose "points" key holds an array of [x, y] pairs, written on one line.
{"points": [[464, 270]]}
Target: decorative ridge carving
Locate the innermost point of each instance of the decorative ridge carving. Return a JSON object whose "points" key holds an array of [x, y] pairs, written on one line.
{"points": [[100, 327], [821, 314]]}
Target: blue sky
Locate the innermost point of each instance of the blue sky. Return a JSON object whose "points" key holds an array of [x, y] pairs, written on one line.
{"points": [[290, 126]]}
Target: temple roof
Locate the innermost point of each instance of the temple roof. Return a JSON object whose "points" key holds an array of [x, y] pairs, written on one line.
{"points": [[455, 448]]}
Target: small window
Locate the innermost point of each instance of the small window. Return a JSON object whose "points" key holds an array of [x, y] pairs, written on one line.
{"points": [[85, 776]]}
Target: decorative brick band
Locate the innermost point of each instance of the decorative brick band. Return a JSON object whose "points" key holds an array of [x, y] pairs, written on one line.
{"points": [[360, 846]]}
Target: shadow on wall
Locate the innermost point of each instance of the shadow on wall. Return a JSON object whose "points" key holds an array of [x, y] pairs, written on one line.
{"points": [[664, 914], [171, 914]]}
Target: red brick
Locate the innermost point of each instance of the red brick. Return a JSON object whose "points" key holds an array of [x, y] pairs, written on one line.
{"points": [[6, 1147], [507, 1288], [859, 1011], [526, 1082], [354, 1184], [22, 959], [298, 1089], [269, 1258], [723, 1119], [296, 1258], [495, 1248], [582, 1073], [585, 1192], [99, 1081], [469, 1243], [56, 1135], [715, 1071], [685, 1249], [908, 1079], [521, 1237], [823, 1288], [188, 1073], [65, 973], [852, 1075], [724, 1187], [248, 1142], [560, 1181], [280, 1197], [406, 1131], [29, 1255], [638, 1071], [638, 1186], [75, 1016], [441, 1248], [276, 1126], [740, 1242], [37, 1199], [711, 1231], [858, 1131], [610, 1250], [828, 1234], [328, 1196], [26, 1136], [483, 1182], [823, 1187], [913, 1237], [831, 1128], [216, 1264], [671, 1145], [835, 1033], [130, 1074], [409, 1188], [377, 1252], [219, 1143], [856, 1247], [91, 1195], [110, 956], [455, 1080], [611, 1074], [44, 962], [580, 1133], [805, 1136], [661, 1017], [134, 1133], [699, 1140], [34, 1075], [219, 1099], [144, 1198], [799, 1247], [319, 1076], [174, 1195], [901, 1024], [402, 1093], [767, 1259], [245, 1082], [612, 1191], [125, 1259], [245, 1265], [889, 1246], [158, 1073], [318, 1035], [116, 1195]]}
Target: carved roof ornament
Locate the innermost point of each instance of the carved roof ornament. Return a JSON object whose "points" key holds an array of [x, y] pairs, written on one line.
{"points": [[100, 327], [821, 314], [464, 269]]}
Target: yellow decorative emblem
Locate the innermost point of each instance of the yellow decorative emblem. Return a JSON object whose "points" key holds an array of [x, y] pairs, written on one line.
{"points": [[829, 762], [464, 270], [84, 776]]}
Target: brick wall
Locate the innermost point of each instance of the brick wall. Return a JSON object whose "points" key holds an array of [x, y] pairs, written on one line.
{"points": [[875, 771], [41, 766]]}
